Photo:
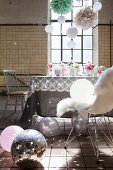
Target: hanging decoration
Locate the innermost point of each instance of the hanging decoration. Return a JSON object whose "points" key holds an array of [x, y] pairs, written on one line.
{"points": [[97, 6], [49, 28], [61, 19], [71, 44], [85, 18], [72, 32], [61, 6]]}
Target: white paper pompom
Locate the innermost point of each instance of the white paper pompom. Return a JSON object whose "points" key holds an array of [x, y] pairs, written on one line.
{"points": [[97, 6], [61, 19], [48, 28], [72, 32], [71, 44], [85, 18]]}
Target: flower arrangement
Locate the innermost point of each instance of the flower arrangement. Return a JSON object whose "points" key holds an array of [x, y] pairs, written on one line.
{"points": [[99, 70], [76, 65], [89, 66]]}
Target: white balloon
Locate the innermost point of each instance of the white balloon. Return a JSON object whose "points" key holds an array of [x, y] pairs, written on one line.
{"points": [[82, 91], [71, 44], [97, 6], [61, 19], [49, 28], [72, 32], [8, 135]]}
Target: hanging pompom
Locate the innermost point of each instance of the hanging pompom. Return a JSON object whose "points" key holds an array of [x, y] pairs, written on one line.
{"points": [[85, 18], [61, 19], [97, 6], [48, 28], [71, 44], [72, 32], [61, 6]]}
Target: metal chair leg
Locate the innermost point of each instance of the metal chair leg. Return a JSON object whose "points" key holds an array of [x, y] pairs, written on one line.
{"points": [[5, 109], [16, 100]]}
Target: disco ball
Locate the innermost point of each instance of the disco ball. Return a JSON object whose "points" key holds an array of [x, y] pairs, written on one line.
{"points": [[28, 148]]}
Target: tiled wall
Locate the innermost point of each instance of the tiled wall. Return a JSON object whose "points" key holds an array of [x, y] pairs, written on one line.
{"points": [[23, 48], [103, 45]]}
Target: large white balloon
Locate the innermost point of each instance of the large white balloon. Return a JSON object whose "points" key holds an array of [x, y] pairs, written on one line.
{"points": [[82, 91], [49, 28], [97, 6], [8, 135], [72, 32], [61, 19]]}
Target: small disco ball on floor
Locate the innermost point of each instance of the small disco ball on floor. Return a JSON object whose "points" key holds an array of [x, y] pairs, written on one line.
{"points": [[28, 148]]}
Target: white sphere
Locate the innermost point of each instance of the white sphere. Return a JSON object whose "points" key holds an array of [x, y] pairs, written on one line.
{"points": [[72, 32], [71, 44], [49, 28], [97, 6], [82, 91], [61, 19]]}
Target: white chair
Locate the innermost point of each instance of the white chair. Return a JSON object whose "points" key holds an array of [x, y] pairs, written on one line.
{"points": [[14, 89], [98, 101]]}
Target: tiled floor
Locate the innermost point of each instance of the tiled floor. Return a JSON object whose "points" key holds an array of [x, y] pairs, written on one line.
{"points": [[78, 155]]}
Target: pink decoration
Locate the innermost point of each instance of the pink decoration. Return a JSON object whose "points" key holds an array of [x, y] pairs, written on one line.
{"points": [[100, 71], [50, 66], [8, 135], [63, 69]]}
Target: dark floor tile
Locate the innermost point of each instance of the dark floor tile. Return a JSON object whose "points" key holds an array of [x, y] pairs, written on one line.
{"points": [[88, 151], [75, 162], [5, 168], [107, 161], [100, 168], [92, 162], [6, 162], [6, 154], [58, 142], [76, 168], [1, 151]]}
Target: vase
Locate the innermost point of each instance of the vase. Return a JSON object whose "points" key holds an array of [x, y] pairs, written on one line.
{"points": [[89, 72], [76, 71]]}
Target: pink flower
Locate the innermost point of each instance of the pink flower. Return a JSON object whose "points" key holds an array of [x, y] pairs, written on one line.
{"points": [[89, 67], [50, 65], [100, 71]]}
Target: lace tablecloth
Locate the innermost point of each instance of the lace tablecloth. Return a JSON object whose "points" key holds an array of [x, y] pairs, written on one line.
{"points": [[59, 84]]}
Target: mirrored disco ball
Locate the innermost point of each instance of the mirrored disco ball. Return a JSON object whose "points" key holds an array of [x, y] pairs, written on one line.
{"points": [[28, 148]]}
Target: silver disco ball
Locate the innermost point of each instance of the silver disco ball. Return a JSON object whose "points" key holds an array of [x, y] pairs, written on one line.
{"points": [[28, 148]]}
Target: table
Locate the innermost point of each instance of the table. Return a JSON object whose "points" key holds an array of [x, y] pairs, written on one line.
{"points": [[44, 95]]}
